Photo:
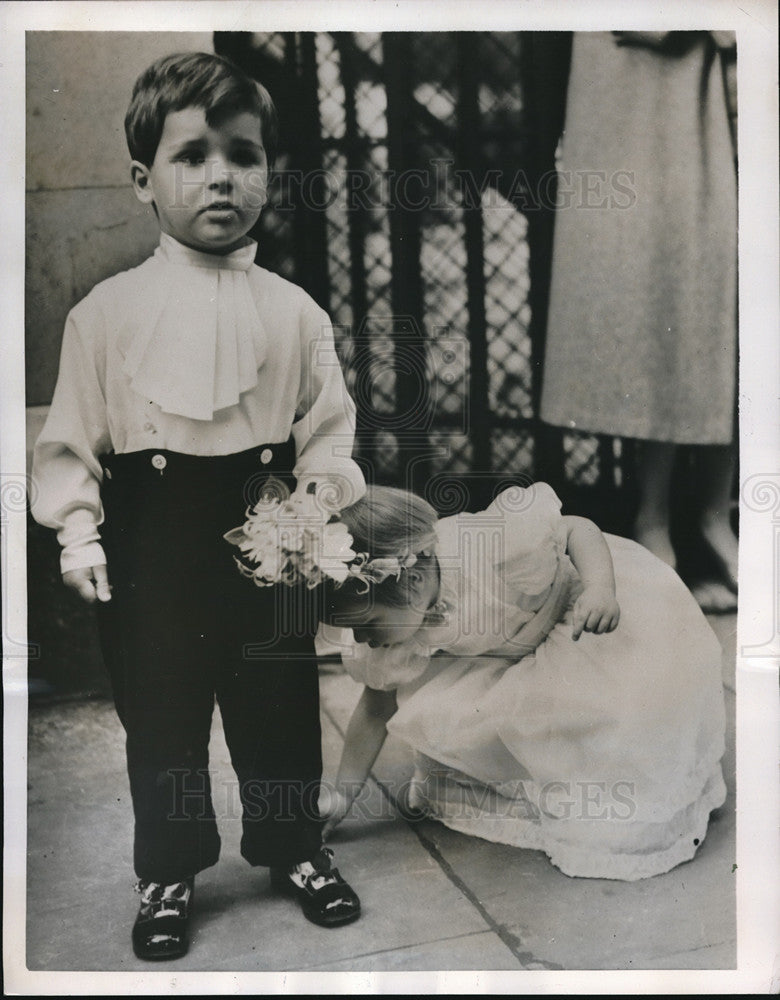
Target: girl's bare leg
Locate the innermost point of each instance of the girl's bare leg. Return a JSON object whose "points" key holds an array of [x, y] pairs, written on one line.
{"points": [[651, 528]]}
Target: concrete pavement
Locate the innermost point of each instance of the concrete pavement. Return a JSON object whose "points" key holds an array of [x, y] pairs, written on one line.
{"points": [[432, 899]]}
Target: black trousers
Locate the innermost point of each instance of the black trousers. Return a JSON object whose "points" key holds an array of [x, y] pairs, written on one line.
{"points": [[183, 627]]}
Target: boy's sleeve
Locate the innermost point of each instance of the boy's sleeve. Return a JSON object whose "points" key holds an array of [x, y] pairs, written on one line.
{"points": [[324, 430], [66, 471]]}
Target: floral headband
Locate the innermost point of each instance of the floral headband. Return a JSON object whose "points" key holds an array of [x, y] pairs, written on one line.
{"points": [[295, 540]]}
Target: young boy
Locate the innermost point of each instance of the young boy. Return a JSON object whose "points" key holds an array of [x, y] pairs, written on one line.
{"points": [[187, 387]]}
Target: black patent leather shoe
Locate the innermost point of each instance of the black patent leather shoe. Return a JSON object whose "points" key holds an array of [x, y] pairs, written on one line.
{"points": [[161, 929], [324, 896]]}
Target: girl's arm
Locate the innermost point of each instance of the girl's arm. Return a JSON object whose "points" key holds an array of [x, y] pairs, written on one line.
{"points": [[596, 609], [365, 736]]}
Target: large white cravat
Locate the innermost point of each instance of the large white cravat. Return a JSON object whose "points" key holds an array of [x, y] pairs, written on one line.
{"points": [[202, 340]]}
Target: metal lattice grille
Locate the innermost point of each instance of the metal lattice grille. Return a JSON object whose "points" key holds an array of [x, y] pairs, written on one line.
{"points": [[508, 313], [402, 204]]}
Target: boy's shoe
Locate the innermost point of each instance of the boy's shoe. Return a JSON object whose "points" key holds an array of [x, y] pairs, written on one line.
{"points": [[325, 898], [161, 928]]}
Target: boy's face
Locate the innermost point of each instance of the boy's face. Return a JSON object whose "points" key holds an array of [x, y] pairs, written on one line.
{"points": [[207, 182]]}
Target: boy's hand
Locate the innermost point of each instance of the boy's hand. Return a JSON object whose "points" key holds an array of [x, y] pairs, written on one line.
{"points": [[334, 806], [596, 610], [90, 583]]}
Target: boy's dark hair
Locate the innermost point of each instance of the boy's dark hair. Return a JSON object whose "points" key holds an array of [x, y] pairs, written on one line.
{"points": [[194, 79]]}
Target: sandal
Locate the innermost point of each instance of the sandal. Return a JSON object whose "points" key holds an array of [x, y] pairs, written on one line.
{"points": [[161, 927], [325, 898]]}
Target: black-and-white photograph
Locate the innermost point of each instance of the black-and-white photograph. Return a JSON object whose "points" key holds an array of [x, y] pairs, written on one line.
{"points": [[390, 499]]}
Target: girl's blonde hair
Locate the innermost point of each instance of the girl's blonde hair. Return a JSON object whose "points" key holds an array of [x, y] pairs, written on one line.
{"points": [[388, 522]]}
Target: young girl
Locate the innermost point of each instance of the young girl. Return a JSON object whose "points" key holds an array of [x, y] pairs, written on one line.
{"points": [[550, 718], [185, 384]]}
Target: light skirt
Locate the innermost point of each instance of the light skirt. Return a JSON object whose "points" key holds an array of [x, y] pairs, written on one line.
{"points": [[604, 753]]}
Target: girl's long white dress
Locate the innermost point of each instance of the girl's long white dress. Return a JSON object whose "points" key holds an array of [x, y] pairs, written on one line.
{"points": [[602, 752]]}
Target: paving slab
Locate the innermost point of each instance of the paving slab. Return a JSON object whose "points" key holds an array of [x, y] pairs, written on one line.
{"points": [[433, 899], [470, 952], [80, 907], [664, 922], [684, 919]]}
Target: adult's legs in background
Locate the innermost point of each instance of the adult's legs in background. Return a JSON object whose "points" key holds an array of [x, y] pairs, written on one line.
{"points": [[715, 466], [655, 460]]}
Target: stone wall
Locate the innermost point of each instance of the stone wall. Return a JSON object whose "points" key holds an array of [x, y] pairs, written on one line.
{"points": [[83, 220]]}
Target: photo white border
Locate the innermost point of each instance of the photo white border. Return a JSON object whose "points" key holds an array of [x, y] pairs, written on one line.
{"points": [[758, 641]]}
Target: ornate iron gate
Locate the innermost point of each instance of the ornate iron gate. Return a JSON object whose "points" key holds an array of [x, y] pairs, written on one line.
{"points": [[413, 199]]}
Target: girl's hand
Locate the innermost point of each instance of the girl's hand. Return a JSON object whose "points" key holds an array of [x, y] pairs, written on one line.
{"points": [[334, 806], [596, 610], [90, 583]]}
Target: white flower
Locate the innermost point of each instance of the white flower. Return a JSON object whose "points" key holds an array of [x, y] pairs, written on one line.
{"points": [[259, 524], [291, 537], [291, 541], [378, 570], [268, 560], [256, 551], [336, 551]]}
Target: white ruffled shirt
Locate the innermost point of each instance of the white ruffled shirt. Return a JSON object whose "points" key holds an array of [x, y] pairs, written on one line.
{"points": [[195, 353]]}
